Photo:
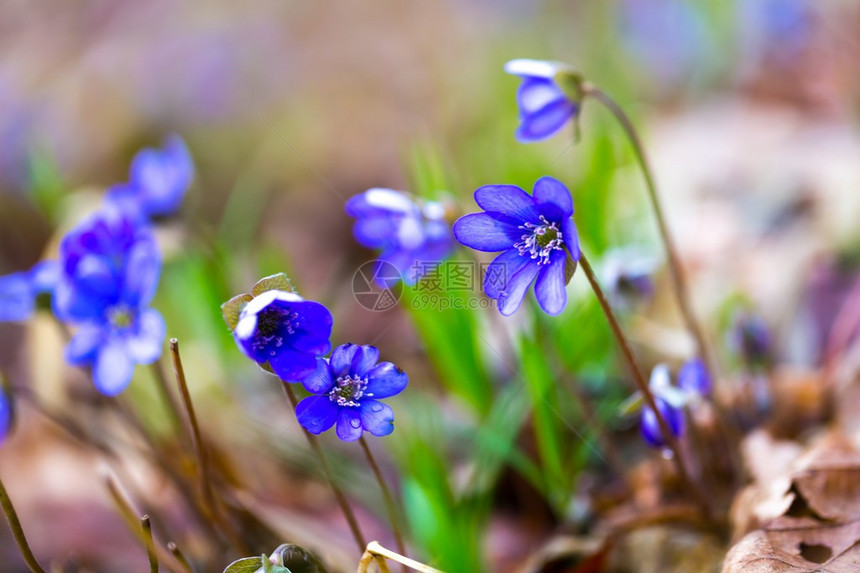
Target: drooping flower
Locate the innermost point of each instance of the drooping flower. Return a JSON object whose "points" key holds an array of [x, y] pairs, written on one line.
{"points": [[285, 331], [749, 337], [536, 235], [628, 274], [545, 107], [18, 291], [158, 179], [347, 388], [407, 231], [670, 401], [695, 379], [109, 269]]}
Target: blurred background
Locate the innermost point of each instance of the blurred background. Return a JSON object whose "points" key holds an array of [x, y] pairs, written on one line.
{"points": [[749, 111]]}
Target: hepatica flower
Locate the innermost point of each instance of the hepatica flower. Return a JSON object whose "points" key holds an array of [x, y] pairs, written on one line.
{"points": [[285, 331], [158, 179], [694, 379], [547, 99], [670, 401], [406, 231], [348, 387], [18, 291], [109, 269], [536, 235], [628, 273]]}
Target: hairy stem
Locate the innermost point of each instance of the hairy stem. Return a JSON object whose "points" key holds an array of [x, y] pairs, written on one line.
{"points": [[386, 495]]}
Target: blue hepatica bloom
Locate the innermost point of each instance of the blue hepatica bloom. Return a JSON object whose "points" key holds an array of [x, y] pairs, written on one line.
{"points": [[18, 291], [670, 401], [109, 269], [535, 234], [406, 231], [694, 378], [347, 389], [286, 331], [544, 107], [158, 180]]}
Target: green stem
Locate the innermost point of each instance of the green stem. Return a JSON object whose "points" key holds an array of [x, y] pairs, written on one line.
{"points": [[675, 271], [18, 531], [146, 526], [338, 493], [639, 378], [386, 495]]}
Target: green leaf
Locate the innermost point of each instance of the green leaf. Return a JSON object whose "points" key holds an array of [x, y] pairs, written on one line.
{"points": [[245, 565], [231, 309], [275, 282]]}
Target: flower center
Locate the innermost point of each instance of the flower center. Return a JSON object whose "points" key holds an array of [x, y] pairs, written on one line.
{"points": [[540, 240], [348, 390], [120, 317], [272, 325]]}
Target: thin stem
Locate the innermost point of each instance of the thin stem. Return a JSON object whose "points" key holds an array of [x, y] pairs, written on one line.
{"points": [[197, 437], [386, 495], [180, 557], [668, 436], [338, 493], [168, 397], [374, 548], [675, 271], [146, 527], [18, 531]]}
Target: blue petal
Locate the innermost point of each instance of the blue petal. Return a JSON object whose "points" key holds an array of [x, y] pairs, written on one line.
{"points": [[319, 381], [512, 297], [385, 379], [545, 122], [694, 377], [6, 415], [17, 300], [162, 177], [651, 428], [141, 271], [348, 425], [376, 417], [365, 358], [291, 365], [316, 414], [44, 276], [482, 232], [404, 261], [375, 232], [549, 288], [83, 346], [312, 327], [550, 193], [146, 342], [534, 94], [501, 270], [113, 368], [508, 200], [341, 359], [571, 238]]}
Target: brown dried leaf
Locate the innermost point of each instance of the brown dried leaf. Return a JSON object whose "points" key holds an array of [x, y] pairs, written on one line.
{"points": [[818, 528]]}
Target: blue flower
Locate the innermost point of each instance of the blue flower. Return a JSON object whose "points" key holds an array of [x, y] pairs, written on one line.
{"points": [[535, 233], [694, 378], [749, 336], [109, 269], [406, 232], [18, 291], [6, 414], [670, 401], [348, 387], [286, 331], [628, 276], [544, 106], [158, 181]]}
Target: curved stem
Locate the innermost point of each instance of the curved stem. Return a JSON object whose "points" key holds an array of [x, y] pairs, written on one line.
{"points": [[18, 531], [338, 493], [668, 436], [386, 495], [675, 270]]}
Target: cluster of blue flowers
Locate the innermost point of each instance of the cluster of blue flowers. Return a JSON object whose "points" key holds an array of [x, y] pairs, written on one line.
{"points": [[107, 271], [693, 386], [290, 336]]}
